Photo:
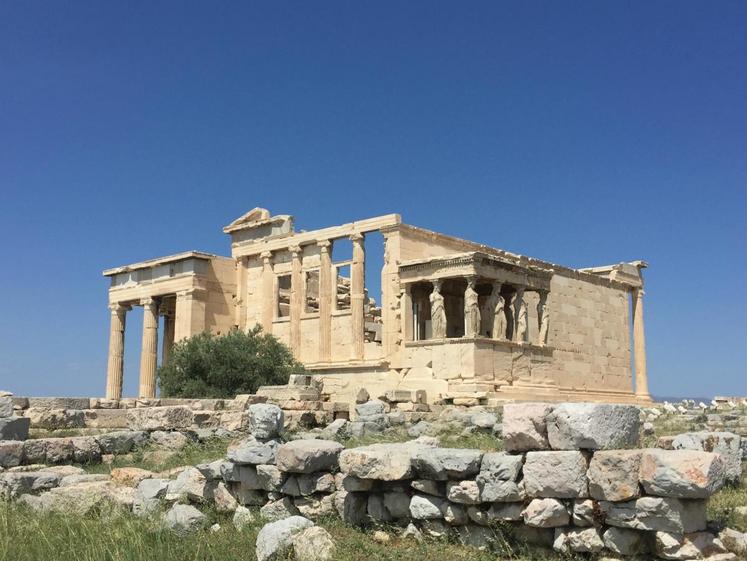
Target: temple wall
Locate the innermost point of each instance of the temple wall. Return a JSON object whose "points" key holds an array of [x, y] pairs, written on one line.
{"points": [[589, 330], [219, 304]]}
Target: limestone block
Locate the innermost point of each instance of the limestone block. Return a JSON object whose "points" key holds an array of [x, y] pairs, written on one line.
{"points": [[447, 463], [86, 449], [265, 420], [307, 456], [625, 542], [593, 426], [121, 442], [455, 514], [246, 496], [372, 408], [524, 426], [613, 475], [558, 474], [251, 451], [500, 465], [130, 476], [277, 510], [6, 406], [313, 544], [376, 509], [426, 507], [545, 513], [397, 504], [276, 538], [270, 477], [351, 507], [159, 418], [387, 462], [311, 483], [578, 540], [242, 517], [508, 512], [583, 513], [184, 519], [58, 450], [657, 514], [77, 478], [13, 485], [687, 474], [314, 506], [105, 418], [698, 545], [726, 444], [735, 542], [351, 483], [14, 428], [429, 487], [52, 419], [498, 491], [463, 492], [59, 402]]}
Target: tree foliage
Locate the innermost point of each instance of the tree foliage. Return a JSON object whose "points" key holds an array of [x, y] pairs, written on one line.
{"points": [[221, 366]]}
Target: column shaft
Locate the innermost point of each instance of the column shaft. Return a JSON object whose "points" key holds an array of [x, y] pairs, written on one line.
{"points": [[358, 296], [268, 288], [639, 345], [115, 363], [168, 337], [296, 305], [239, 310], [149, 351], [325, 302]]}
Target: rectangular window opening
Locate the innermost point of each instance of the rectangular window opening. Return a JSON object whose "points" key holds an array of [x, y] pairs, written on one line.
{"points": [[283, 296]]}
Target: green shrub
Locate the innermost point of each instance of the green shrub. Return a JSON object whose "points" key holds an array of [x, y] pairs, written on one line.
{"points": [[221, 366]]}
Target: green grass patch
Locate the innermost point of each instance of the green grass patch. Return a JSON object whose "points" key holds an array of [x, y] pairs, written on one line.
{"points": [[722, 505]]}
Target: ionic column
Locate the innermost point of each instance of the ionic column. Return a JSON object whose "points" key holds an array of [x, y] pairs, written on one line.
{"points": [[168, 337], [149, 351], [115, 363], [268, 286], [296, 305], [407, 316], [639, 346], [240, 320], [325, 301], [358, 295]]}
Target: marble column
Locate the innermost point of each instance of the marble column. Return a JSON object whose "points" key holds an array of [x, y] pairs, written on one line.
{"points": [[296, 304], [358, 295], [268, 289], [325, 301], [409, 329], [115, 364], [149, 350], [639, 346], [168, 336], [240, 313]]}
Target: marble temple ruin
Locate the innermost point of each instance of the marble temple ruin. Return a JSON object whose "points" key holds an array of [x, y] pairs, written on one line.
{"points": [[455, 318]]}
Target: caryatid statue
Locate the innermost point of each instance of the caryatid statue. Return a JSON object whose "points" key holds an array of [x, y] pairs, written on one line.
{"points": [[522, 322], [471, 310], [498, 309], [543, 317], [438, 312]]}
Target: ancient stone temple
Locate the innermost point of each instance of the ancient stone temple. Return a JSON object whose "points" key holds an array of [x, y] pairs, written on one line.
{"points": [[455, 318]]}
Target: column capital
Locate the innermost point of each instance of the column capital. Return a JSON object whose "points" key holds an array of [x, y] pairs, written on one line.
{"points": [[148, 301], [266, 256], [324, 245], [639, 292], [471, 280], [357, 237], [295, 250], [119, 308]]}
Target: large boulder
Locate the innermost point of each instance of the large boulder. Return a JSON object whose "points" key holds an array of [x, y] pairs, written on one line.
{"points": [[524, 426], [308, 456], [726, 444], [446, 463], [578, 540], [159, 418], [14, 428], [276, 538], [560, 474], [313, 544], [687, 474], [386, 462], [656, 514], [625, 542], [184, 519], [424, 507], [593, 426], [613, 475], [546, 513], [265, 420], [11, 453], [53, 419], [13, 485]]}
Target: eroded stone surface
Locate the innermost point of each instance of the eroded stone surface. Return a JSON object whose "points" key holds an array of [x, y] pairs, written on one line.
{"points": [[687, 474], [593, 426], [559, 474]]}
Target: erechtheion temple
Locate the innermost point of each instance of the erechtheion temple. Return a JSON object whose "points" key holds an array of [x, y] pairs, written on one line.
{"points": [[454, 318]]}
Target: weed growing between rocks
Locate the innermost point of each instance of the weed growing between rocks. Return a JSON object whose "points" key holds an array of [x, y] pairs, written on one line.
{"points": [[724, 506]]}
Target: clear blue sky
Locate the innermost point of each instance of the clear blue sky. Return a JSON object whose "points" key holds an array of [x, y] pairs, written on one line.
{"points": [[584, 133]]}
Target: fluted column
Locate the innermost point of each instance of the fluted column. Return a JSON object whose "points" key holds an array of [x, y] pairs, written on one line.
{"points": [[149, 351], [239, 310], [115, 363], [639, 346], [295, 300], [268, 286], [358, 295], [325, 301]]}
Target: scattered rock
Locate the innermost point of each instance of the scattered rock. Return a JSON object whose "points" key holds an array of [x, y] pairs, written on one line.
{"points": [[276, 538], [313, 544], [681, 473], [242, 517], [265, 420], [184, 519]]}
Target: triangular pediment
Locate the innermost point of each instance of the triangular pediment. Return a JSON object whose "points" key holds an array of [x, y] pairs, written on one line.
{"points": [[257, 214]]}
